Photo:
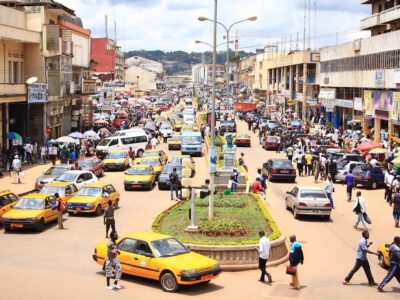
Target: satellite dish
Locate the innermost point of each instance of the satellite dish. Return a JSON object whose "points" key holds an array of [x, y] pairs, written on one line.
{"points": [[31, 80]]}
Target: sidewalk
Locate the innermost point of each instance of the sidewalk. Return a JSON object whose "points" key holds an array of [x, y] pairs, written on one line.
{"points": [[28, 181]]}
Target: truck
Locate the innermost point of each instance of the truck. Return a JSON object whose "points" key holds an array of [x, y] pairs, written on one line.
{"points": [[244, 106]]}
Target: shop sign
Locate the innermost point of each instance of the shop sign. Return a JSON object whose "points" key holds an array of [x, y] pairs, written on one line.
{"points": [[327, 94], [286, 93], [358, 105], [299, 97], [382, 104], [344, 103], [396, 76], [38, 93], [329, 104], [107, 104], [379, 79], [88, 86], [113, 84], [312, 102], [368, 103], [395, 113]]}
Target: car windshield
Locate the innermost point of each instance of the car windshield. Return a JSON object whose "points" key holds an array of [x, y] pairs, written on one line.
{"points": [[282, 164], [104, 142], [29, 203], [89, 191], [67, 177], [56, 171], [151, 162], [117, 155], [166, 127], [150, 154], [195, 140], [312, 194], [175, 138], [271, 138], [227, 123], [85, 163], [139, 171], [51, 190], [169, 168], [169, 247]]}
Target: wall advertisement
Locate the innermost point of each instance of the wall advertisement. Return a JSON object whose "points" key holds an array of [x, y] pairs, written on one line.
{"points": [[395, 112], [368, 103], [382, 104]]}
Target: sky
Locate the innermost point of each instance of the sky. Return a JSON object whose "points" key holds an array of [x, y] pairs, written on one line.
{"points": [[173, 24]]}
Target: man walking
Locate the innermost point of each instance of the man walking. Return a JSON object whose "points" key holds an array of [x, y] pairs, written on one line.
{"points": [[154, 142], [362, 260], [360, 208], [278, 144], [263, 249], [350, 184], [109, 220], [329, 189], [394, 268], [16, 169], [174, 184], [60, 207], [296, 257]]}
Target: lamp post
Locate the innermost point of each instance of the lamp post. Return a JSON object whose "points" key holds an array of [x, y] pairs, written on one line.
{"points": [[227, 29], [137, 85]]}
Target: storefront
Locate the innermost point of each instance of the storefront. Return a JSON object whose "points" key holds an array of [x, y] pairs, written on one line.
{"points": [[395, 116], [327, 98], [382, 108], [343, 113]]}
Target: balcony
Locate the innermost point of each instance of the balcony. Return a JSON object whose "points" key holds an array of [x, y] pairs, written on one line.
{"points": [[390, 15], [12, 89], [58, 41], [370, 22]]}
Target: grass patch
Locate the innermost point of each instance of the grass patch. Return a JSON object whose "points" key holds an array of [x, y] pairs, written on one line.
{"points": [[239, 224], [223, 201]]}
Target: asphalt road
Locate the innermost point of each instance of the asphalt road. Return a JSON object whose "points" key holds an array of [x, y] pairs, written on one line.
{"points": [[57, 264]]}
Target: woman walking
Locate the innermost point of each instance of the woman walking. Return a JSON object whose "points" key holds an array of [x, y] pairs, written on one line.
{"points": [[113, 266]]}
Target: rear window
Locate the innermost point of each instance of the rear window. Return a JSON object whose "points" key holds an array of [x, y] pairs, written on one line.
{"points": [[312, 194], [282, 164]]}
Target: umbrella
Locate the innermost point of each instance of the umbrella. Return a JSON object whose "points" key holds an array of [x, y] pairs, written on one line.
{"points": [[66, 140], [369, 146], [76, 135], [14, 136], [378, 151], [91, 135], [296, 123]]}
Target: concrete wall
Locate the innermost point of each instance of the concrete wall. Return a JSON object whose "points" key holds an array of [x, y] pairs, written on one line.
{"points": [[12, 17], [34, 62], [81, 44], [147, 80]]}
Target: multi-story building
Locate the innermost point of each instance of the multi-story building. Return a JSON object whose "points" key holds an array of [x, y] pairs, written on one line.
{"points": [[244, 79], [109, 60], [360, 80], [202, 74]]}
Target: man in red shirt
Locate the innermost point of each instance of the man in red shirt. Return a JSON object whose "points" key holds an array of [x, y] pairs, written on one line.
{"points": [[256, 187]]}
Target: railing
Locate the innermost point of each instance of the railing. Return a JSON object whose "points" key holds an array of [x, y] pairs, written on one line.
{"points": [[12, 89], [390, 15], [370, 21]]}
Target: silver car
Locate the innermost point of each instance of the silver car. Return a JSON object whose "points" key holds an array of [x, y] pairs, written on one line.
{"points": [[308, 201], [51, 174], [344, 169]]}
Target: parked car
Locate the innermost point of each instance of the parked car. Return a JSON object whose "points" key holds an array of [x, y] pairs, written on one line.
{"points": [[79, 178], [163, 178], [50, 175], [368, 176], [270, 142], [344, 168], [308, 201], [7, 200], [140, 177], [93, 198], [165, 259], [93, 164], [279, 169], [174, 143], [242, 140]]}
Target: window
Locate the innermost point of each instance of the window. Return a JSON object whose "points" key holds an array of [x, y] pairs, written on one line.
{"points": [[88, 176], [113, 143], [110, 189], [143, 248], [5, 200], [127, 245], [16, 72], [128, 140]]}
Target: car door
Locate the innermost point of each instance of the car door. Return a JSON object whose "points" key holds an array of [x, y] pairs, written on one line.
{"points": [[293, 197], [50, 214], [6, 202], [145, 261], [88, 178], [112, 193], [127, 255]]}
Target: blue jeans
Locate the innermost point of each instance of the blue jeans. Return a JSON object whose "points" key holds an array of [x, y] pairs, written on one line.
{"points": [[360, 218], [330, 199], [172, 188], [349, 190]]}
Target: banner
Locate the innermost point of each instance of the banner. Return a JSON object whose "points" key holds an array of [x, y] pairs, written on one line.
{"points": [[88, 86], [368, 103], [394, 115], [382, 104], [358, 104], [37, 93], [329, 104]]}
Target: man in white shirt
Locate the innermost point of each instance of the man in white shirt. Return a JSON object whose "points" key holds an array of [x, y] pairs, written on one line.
{"points": [[263, 250], [154, 143], [360, 208]]}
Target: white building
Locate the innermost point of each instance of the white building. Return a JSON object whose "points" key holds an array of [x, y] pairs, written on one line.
{"points": [[144, 74]]}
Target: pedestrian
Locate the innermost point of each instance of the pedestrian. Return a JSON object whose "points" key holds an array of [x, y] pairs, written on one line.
{"points": [[154, 142], [278, 144], [235, 180], [131, 155], [109, 219], [16, 169], [296, 257], [263, 248], [388, 179], [362, 260], [309, 161], [113, 266], [174, 184], [29, 153], [394, 265], [290, 152], [43, 152], [396, 207], [350, 184], [60, 207], [329, 189], [299, 161], [360, 209], [242, 163]]}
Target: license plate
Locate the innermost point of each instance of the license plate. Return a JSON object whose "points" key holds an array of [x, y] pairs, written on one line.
{"points": [[284, 172], [17, 225], [315, 210], [78, 209], [357, 177], [135, 185], [206, 277]]}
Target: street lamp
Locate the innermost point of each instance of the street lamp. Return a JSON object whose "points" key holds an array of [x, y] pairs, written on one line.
{"points": [[227, 29], [208, 44]]}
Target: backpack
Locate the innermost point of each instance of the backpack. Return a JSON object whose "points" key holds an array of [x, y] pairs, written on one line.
{"points": [[173, 178]]}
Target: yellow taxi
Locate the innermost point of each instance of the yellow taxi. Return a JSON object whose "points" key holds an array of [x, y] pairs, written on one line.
{"points": [[177, 159], [242, 140], [179, 123], [116, 160], [152, 154], [383, 255], [93, 198], [66, 190], [162, 258], [140, 177], [7, 200], [155, 162], [30, 211], [174, 142]]}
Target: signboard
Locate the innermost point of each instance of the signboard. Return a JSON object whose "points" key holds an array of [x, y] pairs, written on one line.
{"points": [[107, 104], [368, 103], [379, 79], [280, 99], [327, 94], [358, 104], [38, 93], [113, 84], [88, 86], [396, 76], [329, 104], [344, 103], [286, 93], [382, 104], [395, 112], [315, 57], [290, 102], [299, 97], [312, 102]]}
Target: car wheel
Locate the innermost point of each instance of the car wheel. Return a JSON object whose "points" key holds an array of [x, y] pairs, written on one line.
{"points": [[381, 260], [374, 185], [140, 153], [7, 228], [295, 213], [98, 211], [327, 218], [40, 225], [169, 283]]}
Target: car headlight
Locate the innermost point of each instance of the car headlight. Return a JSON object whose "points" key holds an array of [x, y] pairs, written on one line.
{"points": [[89, 205], [217, 266], [188, 272]]}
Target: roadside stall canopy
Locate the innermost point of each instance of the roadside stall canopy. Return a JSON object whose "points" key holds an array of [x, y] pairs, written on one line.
{"points": [[369, 146]]}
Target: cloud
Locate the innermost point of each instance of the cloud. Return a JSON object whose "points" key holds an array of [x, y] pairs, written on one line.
{"points": [[185, 5]]}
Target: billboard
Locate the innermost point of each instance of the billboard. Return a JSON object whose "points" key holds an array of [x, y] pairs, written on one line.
{"points": [[382, 104], [38, 93]]}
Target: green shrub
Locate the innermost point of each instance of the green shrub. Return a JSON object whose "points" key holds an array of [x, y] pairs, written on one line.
{"points": [[226, 201], [222, 227]]}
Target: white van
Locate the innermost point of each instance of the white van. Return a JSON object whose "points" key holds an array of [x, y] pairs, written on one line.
{"points": [[188, 119], [135, 139]]}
